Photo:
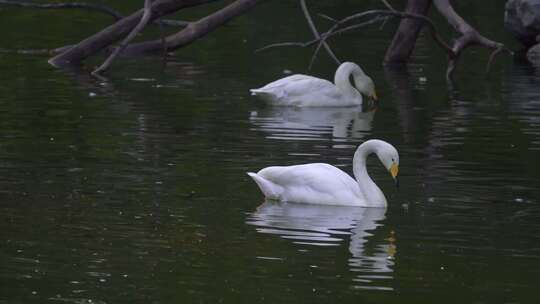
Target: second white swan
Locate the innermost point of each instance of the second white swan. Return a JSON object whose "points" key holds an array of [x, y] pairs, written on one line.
{"points": [[307, 91], [320, 183]]}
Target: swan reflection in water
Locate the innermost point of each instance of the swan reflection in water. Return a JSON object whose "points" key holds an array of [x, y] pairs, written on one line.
{"points": [[371, 256], [342, 124]]}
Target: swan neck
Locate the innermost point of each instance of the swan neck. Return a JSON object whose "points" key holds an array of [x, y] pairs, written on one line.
{"points": [[341, 80], [373, 194]]}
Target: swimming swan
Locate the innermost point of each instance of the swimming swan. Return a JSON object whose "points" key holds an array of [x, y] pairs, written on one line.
{"points": [[320, 183], [307, 91]]}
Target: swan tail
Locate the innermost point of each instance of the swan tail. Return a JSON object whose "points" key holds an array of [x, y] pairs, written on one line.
{"points": [[268, 188], [261, 91], [254, 91], [270, 95]]}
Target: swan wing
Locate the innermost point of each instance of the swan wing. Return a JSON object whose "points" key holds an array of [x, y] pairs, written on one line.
{"points": [[314, 183], [299, 90]]}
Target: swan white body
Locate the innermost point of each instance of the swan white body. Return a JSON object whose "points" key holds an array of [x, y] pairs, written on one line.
{"points": [[308, 91], [320, 183]]}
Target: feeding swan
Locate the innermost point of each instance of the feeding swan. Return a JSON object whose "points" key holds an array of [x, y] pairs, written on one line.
{"points": [[350, 82]]}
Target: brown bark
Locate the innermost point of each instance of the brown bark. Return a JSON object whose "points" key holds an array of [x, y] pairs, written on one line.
{"points": [[116, 31], [405, 37], [193, 31]]}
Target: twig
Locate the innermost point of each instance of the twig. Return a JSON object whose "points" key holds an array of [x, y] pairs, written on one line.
{"points": [[144, 20], [494, 54], [385, 20], [343, 30], [280, 44], [433, 29], [317, 35], [327, 17], [333, 31], [314, 41], [388, 5]]}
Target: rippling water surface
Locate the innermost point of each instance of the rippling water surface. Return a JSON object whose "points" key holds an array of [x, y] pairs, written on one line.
{"points": [[134, 189]]}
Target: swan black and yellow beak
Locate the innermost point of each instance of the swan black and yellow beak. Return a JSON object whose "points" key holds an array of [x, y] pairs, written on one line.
{"points": [[394, 169]]}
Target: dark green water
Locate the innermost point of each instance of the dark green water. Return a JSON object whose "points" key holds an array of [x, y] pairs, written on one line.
{"points": [[133, 190]]}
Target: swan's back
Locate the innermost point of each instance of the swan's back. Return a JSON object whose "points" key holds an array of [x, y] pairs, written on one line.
{"points": [[316, 183], [299, 90]]}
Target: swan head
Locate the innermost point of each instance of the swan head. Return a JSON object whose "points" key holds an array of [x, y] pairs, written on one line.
{"points": [[389, 157], [361, 82], [364, 84]]}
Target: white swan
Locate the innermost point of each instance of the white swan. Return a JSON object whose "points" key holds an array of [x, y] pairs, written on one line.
{"points": [[320, 183], [307, 91]]}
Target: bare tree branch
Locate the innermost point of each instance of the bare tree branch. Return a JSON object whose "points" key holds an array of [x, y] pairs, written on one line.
{"points": [[335, 29], [70, 5], [433, 29], [144, 20], [317, 35], [88, 6], [115, 32], [194, 30], [342, 30], [469, 36], [314, 41]]}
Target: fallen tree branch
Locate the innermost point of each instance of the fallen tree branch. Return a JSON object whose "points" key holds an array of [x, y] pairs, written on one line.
{"points": [[469, 36], [116, 31], [88, 6], [70, 5], [144, 20], [194, 30]]}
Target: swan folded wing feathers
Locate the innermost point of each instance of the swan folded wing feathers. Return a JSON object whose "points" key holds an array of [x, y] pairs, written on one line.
{"points": [[315, 183], [292, 90]]}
